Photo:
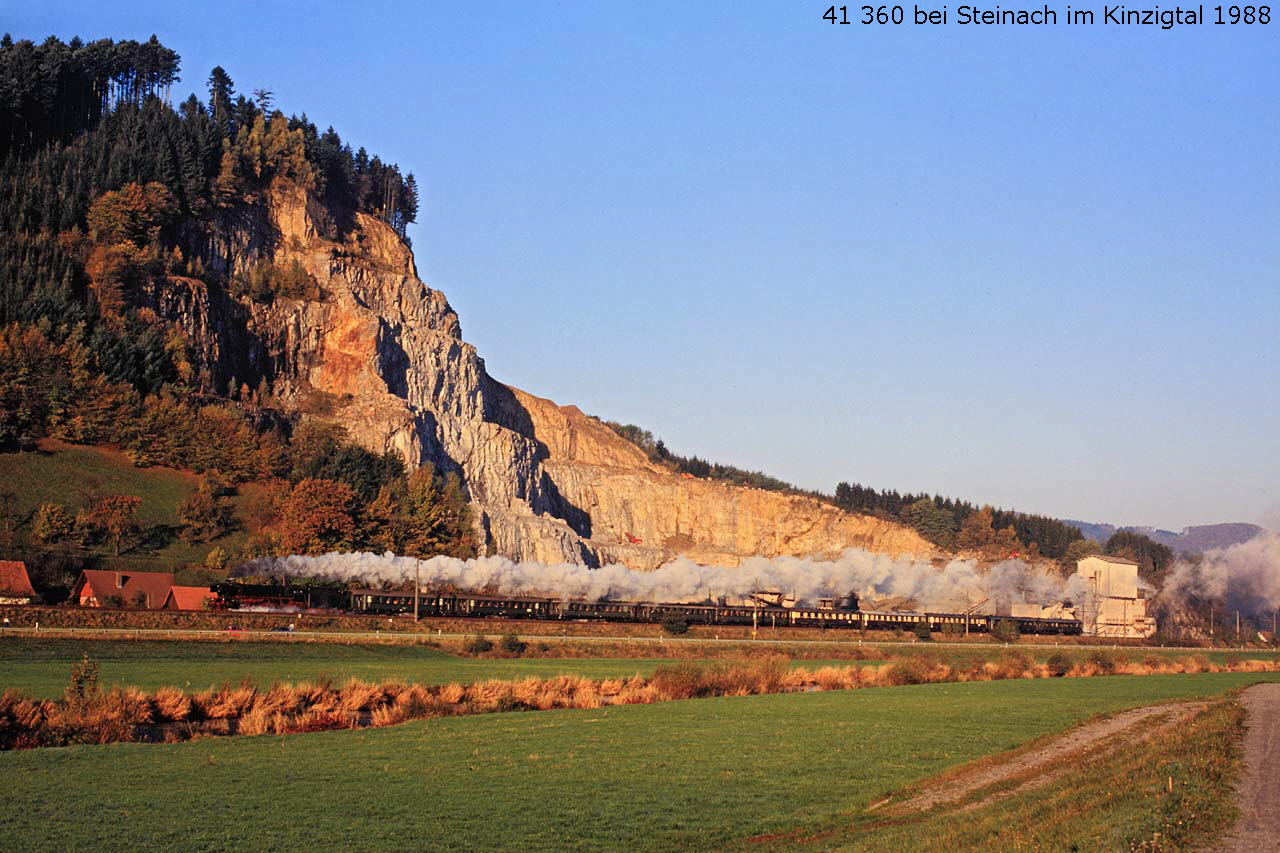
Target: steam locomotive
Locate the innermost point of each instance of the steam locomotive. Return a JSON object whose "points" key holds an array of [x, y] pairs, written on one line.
{"points": [[763, 610]]}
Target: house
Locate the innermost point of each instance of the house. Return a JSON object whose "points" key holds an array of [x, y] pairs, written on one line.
{"points": [[189, 598], [15, 585], [101, 588], [1115, 603]]}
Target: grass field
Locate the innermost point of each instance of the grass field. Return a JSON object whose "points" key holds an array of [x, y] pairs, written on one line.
{"points": [[695, 774], [41, 667], [1171, 792]]}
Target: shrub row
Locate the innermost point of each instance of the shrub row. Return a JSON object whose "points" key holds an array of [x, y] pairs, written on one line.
{"points": [[88, 715]]}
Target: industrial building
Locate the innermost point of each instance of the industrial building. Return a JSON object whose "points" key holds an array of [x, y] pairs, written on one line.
{"points": [[1115, 601]]}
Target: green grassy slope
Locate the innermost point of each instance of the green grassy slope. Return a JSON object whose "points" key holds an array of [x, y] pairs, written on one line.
{"points": [[67, 474], [70, 474], [697, 774]]}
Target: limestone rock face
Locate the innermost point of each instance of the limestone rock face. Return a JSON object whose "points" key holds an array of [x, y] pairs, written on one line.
{"points": [[383, 354]]}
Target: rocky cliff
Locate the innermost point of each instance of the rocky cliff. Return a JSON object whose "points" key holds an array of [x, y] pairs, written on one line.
{"points": [[383, 354]]}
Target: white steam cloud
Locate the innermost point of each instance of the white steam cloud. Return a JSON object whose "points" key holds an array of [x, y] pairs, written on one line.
{"points": [[955, 586], [1245, 576]]}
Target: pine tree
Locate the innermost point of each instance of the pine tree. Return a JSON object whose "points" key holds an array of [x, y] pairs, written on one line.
{"points": [[221, 90]]}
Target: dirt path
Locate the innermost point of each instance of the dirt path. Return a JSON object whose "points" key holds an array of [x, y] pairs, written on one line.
{"points": [[1258, 829], [1043, 764]]}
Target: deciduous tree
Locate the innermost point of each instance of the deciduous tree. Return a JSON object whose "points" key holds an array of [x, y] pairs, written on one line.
{"points": [[317, 516], [116, 516]]}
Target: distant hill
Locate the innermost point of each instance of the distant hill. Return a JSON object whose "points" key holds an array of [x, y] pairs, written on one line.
{"points": [[1192, 540]]}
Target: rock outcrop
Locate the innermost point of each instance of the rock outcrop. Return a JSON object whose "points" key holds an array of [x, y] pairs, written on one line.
{"points": [[383, 354]]}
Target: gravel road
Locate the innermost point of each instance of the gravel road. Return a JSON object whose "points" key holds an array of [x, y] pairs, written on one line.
{"points": [[1258, 829]]}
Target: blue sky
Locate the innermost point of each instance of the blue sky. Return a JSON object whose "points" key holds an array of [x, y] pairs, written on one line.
{"points": [[1031, 266]]}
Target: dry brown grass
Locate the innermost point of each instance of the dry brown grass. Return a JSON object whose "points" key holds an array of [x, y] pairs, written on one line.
{"points": [[453, 693], [126, 713], [170, 705], [280, 699], [225, 702], [357, 696], [256, 721], [388, 715]]}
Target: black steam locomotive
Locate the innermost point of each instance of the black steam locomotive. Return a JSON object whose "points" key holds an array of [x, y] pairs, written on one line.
{"points": [[761, 610]]}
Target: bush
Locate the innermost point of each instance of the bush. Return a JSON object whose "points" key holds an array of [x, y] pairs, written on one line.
{"points": [[1058, 664], [266, 281], [478, 645], [914, 670], [681, 681], [1006, 631], [512, 645], [1102, 661], [922, 632], [84, 682], [675, 624], [52, 523], [1011, 664]]}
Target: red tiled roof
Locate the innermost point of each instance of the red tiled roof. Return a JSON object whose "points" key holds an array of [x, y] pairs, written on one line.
{"points": [[188, 598], [126, 586], [13, 579]]}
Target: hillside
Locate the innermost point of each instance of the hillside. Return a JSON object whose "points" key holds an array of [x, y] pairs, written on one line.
{"points": [[71, 476], [1191, 540]]}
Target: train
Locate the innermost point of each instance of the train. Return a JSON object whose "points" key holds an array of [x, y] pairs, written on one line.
{"points": [[758, 611]]}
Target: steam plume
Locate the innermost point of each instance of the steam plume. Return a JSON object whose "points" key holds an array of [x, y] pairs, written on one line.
{"points": [[1245, 576], [955, 586]]}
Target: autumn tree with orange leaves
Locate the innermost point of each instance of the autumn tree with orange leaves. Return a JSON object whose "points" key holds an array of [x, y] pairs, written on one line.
{"points": [[114, 515], [317, 516]]}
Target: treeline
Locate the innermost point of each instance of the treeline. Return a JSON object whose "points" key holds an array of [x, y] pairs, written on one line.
{"points": [[658, 452], [1153, 559], [105, 189], [942, 520], [951, 523], [54, 91], [77, 120]]}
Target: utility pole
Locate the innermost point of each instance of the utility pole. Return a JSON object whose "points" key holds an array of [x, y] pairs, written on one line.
{"points": [[417, 586]]}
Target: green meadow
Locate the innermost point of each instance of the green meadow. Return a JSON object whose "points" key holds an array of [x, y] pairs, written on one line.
{"points": [[42, 667], [696, 774]]}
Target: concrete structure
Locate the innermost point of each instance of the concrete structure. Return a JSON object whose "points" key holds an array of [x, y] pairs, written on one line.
{"points": [[1115, 601]]}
